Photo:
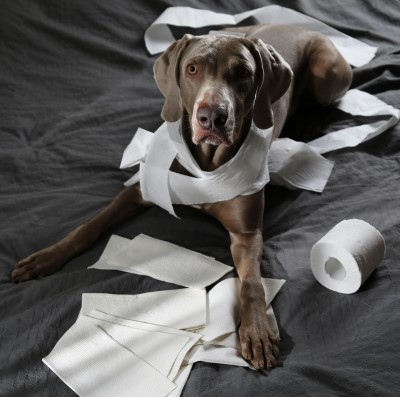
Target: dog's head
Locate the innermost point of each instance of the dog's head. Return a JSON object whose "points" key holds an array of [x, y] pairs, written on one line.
{"points": [[219, 81]]}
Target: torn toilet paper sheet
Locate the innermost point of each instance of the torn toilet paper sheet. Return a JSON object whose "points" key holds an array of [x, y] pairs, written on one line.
{"points": [[154, 347], [291, 164], [223, 306], [158, 36], [161, 260], [103, 354], [179, 308], [94, 365], [162, 347]]}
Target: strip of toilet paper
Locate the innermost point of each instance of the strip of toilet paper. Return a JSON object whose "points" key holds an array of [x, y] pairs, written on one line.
{"points": [[178, 308], [290, 164], [286, 162], [164, 188], [346, 256], [358, 103], [158, 36]]}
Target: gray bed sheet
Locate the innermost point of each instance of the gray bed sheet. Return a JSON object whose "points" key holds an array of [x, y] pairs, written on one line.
{"points": [[75, 83]]}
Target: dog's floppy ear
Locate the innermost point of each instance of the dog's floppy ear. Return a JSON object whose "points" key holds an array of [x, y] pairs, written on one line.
{"points": [[166, 75], [275, 76]]}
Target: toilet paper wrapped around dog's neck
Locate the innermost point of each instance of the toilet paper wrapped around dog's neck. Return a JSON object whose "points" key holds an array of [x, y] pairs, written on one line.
{"points": [[286, 162], [246, 173], [347, 255]]}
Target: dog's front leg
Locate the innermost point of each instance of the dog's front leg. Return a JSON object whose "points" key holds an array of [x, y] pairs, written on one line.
{"points": [[243, 218], [258, 342], [126, 204]]}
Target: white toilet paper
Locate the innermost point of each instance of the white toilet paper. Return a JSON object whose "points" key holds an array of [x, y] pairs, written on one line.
{"points": [[158, 36], [286, 162], [161, 260], [345, 257]]}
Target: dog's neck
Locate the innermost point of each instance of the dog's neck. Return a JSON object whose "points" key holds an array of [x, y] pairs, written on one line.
{"points": [[210, 157]]}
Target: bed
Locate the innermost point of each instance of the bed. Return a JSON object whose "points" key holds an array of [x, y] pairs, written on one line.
{"points": [[76, 82]]}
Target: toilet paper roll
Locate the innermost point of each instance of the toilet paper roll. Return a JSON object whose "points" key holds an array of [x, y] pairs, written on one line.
{"points": [[346, 256]]}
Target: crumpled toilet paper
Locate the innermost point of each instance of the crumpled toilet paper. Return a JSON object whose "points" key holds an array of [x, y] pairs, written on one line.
{"points": [[346, 256]]}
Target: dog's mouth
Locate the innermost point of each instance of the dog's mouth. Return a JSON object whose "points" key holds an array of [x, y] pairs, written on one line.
{"points": [[212, 137]]}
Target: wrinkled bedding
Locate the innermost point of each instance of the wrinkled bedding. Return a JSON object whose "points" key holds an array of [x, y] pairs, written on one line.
{"points": [[75, 83]]}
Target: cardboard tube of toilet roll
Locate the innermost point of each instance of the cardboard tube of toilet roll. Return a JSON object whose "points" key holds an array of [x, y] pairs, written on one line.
{"points": [[347, 255]]}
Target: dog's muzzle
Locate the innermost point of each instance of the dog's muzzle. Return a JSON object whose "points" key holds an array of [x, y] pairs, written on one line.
{"points": [[212, 126]]}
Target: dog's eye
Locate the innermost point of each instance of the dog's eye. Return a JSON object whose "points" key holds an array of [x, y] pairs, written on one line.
{"points": [[243, 71], [191, 69]]}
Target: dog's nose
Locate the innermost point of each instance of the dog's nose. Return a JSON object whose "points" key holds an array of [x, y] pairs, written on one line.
{"points": [[212, 117]]}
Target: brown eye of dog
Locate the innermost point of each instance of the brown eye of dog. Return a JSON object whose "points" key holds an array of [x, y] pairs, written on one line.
{"points": [[243, 71], [191, 69]]}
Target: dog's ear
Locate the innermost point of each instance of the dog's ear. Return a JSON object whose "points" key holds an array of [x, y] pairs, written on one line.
{"points": [[166, 75], [275, 76]]}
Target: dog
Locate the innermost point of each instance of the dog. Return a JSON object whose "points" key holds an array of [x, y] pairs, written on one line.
{"points": [[218, 86]]}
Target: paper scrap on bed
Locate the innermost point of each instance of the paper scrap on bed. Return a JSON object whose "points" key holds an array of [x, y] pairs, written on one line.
{"points": [[161, 260], [179, 308], [146, 344]]}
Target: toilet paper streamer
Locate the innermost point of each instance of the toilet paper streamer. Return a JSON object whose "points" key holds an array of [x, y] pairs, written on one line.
{"points": [[287, 163], [246, 173], [158, 36], [347, 255]]}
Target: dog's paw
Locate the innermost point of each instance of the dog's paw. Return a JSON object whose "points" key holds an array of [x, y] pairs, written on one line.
{"points": [[258, 341], [39, 264]]}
